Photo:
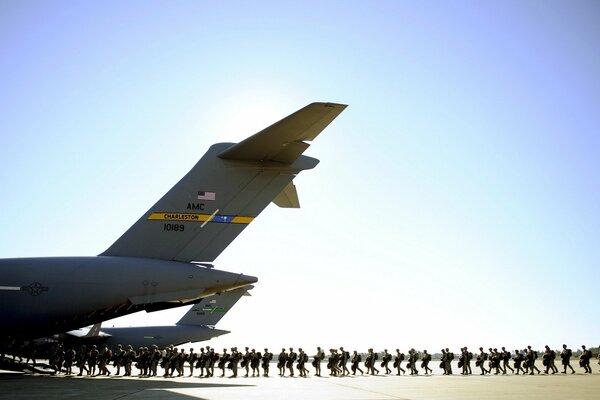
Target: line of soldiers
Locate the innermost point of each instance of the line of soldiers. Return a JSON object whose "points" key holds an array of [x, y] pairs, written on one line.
{"points": [[174, 361]]}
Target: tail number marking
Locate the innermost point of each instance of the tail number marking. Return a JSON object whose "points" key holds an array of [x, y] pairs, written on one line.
{"points": [[173, 227]]}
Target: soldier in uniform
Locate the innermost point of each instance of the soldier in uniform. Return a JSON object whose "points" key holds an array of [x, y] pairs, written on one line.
{"points": [[93, 360], [398, 362], [246, 361], [255, 362], [223, 360], [531, 357], [449, 359], [118, 359], [105, 357], [302, 359], [413, 358], [548, 360], [212, 359], [443, 362], [69, 358], [155, 357], [266, 360], [333, 362], [565, 356], [344, 357], [202, 362], [317, 361], [356, 359], [506, 361], [191, 359], [235, 358], [57, 359], [82, 360], [281, 360], [518, 359], [290, 361], [424, 362], [584, 360], [493, 361], [466, 361], [385, 360], [480, 362]]}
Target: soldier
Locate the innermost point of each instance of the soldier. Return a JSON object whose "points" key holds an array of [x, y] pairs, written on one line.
{"points": [[480, 362], [398, 362], [191, 359], [130, 356], [584, 360], [213, 358], [531, 357], [385, 360], [302, 359], [344, 357], [281, 360], [246, 361], [518, 359], [332, 363], [69, 358], [105, 357], [142, 361], [449, 359], [182, 358], [82, 360], [266, 360], [31, 351], [235, 358], [356, 359], [413, 357], [375, 357], [290, 361], [255, 362], [118, 358], [166, 360], [565, 356], [466, 357], [548, 360], [494, 362], [317, 358], [201, 361], [155, 357], [93, 360], [223, 360], [506, 361], [58, 358], [443, 361]]}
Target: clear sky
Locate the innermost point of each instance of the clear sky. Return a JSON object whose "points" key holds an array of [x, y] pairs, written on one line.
{"points": [[457, 201]]}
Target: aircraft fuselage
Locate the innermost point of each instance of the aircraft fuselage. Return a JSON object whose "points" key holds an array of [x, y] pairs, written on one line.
{"points": [[64, 293]]}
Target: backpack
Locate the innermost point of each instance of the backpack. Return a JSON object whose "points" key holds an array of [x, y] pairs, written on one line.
{"points": [[375, 356]]}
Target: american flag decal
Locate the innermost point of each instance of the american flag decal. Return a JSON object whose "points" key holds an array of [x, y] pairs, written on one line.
{"points": [[207, 196]]}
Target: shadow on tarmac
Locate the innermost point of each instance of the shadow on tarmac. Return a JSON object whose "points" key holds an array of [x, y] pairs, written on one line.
{"points": [[23, 386]]}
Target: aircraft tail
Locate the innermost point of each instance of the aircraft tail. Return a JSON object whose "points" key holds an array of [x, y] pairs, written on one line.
{"points": [[232, 183], [210, 310]]}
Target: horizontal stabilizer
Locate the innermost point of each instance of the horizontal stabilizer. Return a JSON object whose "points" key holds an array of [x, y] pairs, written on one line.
{"points": [[284, 140], [288, 198], [223, 193], [211, 309]]}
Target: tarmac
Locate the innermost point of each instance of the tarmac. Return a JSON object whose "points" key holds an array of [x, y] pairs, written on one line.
{"points": [[548, 387]]}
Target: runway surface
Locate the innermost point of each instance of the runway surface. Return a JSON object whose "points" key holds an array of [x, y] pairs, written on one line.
{"points": [[547, 387]]}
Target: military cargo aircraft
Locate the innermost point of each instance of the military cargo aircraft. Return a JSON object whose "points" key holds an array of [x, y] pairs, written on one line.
{"points": [[196, 325], [165, 259]]}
